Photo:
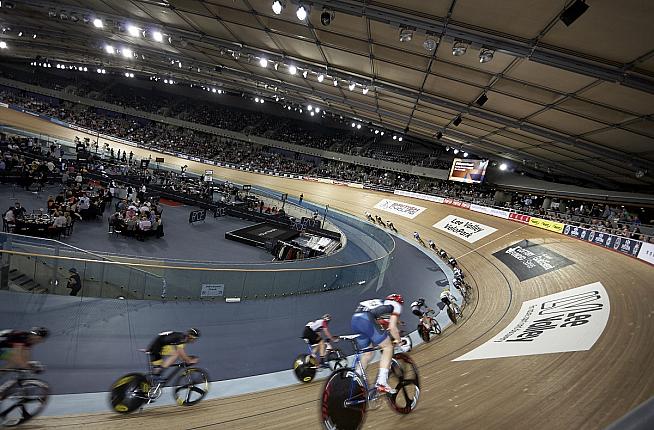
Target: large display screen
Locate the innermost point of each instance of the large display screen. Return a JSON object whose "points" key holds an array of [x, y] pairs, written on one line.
{"points": [[468, 171]]}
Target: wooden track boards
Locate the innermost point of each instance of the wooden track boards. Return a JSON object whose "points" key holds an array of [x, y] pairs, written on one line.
{"points": [[576, 390]]}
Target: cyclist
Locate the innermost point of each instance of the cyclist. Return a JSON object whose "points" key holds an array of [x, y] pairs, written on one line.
{"points": [[168, 347], [449, 300], [416, 308], [16, 346], [390, 225], [312, 334], [452, 262], [458, 273], [442, 253], [364, 323], [432, 245]]}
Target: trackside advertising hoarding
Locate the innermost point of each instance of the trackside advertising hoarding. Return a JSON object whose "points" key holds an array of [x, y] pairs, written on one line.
{"points": [[571, 320], [546, 224], [468, 171], [405, 210], [617, 243]]}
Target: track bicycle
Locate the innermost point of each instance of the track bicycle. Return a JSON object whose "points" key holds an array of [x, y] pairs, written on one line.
{"points": [[464, 289], [347, 396], [22, 396], [130, 392], [454, 311], [306, 365], [435, 328]]}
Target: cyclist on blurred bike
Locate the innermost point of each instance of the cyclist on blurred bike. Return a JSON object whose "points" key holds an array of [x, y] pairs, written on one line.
{"points": [[417, 309], [168, 347], [312, 334], [16, 346], [364, 323], [449, 300]]}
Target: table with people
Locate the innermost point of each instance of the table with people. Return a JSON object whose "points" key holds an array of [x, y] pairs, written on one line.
{"points": [[137, 219]]}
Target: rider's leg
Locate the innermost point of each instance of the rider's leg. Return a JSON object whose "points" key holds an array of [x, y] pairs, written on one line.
{"points": [[385, 362], [321, 348]]}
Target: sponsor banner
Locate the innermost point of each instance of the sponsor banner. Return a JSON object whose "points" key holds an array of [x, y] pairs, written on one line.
{"points": [[355, 185], [519, 217], [621, 244], [212, 290], [398, 208], [571, 320], [420, 196], [528, 260], [489, 211], [378, 188], [545, 224], [646, 252], [470, 231]]}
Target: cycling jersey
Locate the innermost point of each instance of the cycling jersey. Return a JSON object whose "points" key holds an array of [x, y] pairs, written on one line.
{"points": [[13, 339], [378, 308], [164, 341], [416, 308], [447, 294], [416, 235], [317, 325]]}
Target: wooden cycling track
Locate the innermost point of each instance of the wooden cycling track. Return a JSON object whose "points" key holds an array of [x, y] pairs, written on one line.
{"points": [[574, 390]]}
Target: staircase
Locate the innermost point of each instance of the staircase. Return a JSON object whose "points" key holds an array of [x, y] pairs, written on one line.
{"points": [[23, 283]]}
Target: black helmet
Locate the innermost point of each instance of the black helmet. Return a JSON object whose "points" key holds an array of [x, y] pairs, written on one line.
{"points": [[421, 301], [39, 331], [193, 332]]}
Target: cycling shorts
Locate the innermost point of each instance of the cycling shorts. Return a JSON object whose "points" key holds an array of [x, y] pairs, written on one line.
{"points": [[364, 324], [310, 335], [446, 300], [157, 357], [417, 312]]}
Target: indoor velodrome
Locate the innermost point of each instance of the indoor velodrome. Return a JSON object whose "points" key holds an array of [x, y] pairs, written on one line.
{"points": [[199, 194]]}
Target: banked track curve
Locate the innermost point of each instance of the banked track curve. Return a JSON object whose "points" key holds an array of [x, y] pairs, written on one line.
{"points": [[581, 390]]}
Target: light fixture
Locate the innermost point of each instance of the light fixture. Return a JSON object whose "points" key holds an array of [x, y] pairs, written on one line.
{"points": [[127, 53], [133, 30], [292, 69], [309, 108], [482, 99], [277, 7], [3, 44], [439, 135], [486, 55], [353, 125], [157, 36], [20, 34], [465, 154], [358, 126], [256, 99], [86, 69], [263, 62], [305, 74], [321, 77], [456, 151], [213, 90], [406, 35], [640, 173], [99, 70], [335, 83], [430, 44], [261, 100], [97, 23], [365, 90], [317, 109], [381, 133], [276, 66], [457, 121], [165, 81], [503, 166], [326, 17], [573, 12], [394, 137], [400, 139], [301, 13], [459, 48], [311, 113], [351, 86], [109, 49], [34, 36]]}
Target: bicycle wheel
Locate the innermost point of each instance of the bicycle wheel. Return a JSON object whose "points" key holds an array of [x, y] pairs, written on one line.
{"points": [[435, 327], [458, 310], [451, 314], [305, 367], [423, 332], [23, 401], [343, 385], [129, 393], [403, 377], [190, 386], [336, 359]]}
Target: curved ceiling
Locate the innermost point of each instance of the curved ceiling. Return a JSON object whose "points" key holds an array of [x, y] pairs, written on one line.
{"points": [[577, 100]]}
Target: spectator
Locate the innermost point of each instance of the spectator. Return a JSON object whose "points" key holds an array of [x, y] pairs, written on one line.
{"points": [[74, 282]]}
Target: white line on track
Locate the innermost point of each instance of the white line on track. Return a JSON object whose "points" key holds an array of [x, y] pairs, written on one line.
{"points": [[488, 243]]}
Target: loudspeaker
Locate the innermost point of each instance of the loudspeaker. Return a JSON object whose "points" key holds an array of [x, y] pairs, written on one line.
{"points": [[572, 13]]}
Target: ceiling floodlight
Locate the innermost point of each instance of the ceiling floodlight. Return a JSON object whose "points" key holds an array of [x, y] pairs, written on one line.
{"points": [[109, 49], [573, 12], [321, 77], [503, 167], [305, 74], [86, 69], [309, 108], [459, 48], [358, 126], [292, 69], [301, 13], [326, 17], [465, 154], [400, 139], [394, 137], [353, 125], [406, 35], [3, 44], [157, 36], [430, 44], [127, 53], [486, 55], [456, 151], [311, 113], [256, 99], [97, 23], [457, 121], [276, 66], [133, 31], [335, 82], [351, 86], [277, 7], [381, 133], [376, 131], [365, 90], [317, 110], [261, 100], [263, 62]]}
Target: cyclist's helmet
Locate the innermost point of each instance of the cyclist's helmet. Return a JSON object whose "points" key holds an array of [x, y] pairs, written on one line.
{"points": [[395, 298], [193, 332], [421, 301], [39, 331], [327, 317]]}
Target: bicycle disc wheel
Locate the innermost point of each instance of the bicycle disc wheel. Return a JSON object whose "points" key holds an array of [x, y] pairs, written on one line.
{"points": [[423, 332], [343, 385], [23, 401], [129, 393], [305, 367], [451, 314], [403, 377], [190, 386]]}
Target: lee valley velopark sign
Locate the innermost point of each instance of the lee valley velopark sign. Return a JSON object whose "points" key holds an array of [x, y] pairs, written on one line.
{"points": [[571, 320], [470, 231]]}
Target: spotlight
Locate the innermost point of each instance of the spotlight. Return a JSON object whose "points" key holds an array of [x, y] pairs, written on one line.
{"points": [[321, 77], [465, 154], [459, 48], [365, 91], [133, 30], [457, 121], [486, 55], [456, 151], [326, 17], [394, 137], [165, 81], [503, 167], [99, 70], [309, 108], [447, 149], [335, 83], [261, 100], [353, 125], [406, 35], [34, 36], [109, 49], [213, 90], [3, 44], [276, 66], [97, 23], [317, 110], [263, 62], [439, 135], [381, 133], [358, 126], [127, 53], [157, 36], [430, 44], [399, 139], [256, 99], [305, 74], [311, 113], [482, 99], [292, 70], [301, 13], [572, 13], [640, 173], [20, 34], [277, 7], [86, 69], [351, 86], [376, 131]]}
